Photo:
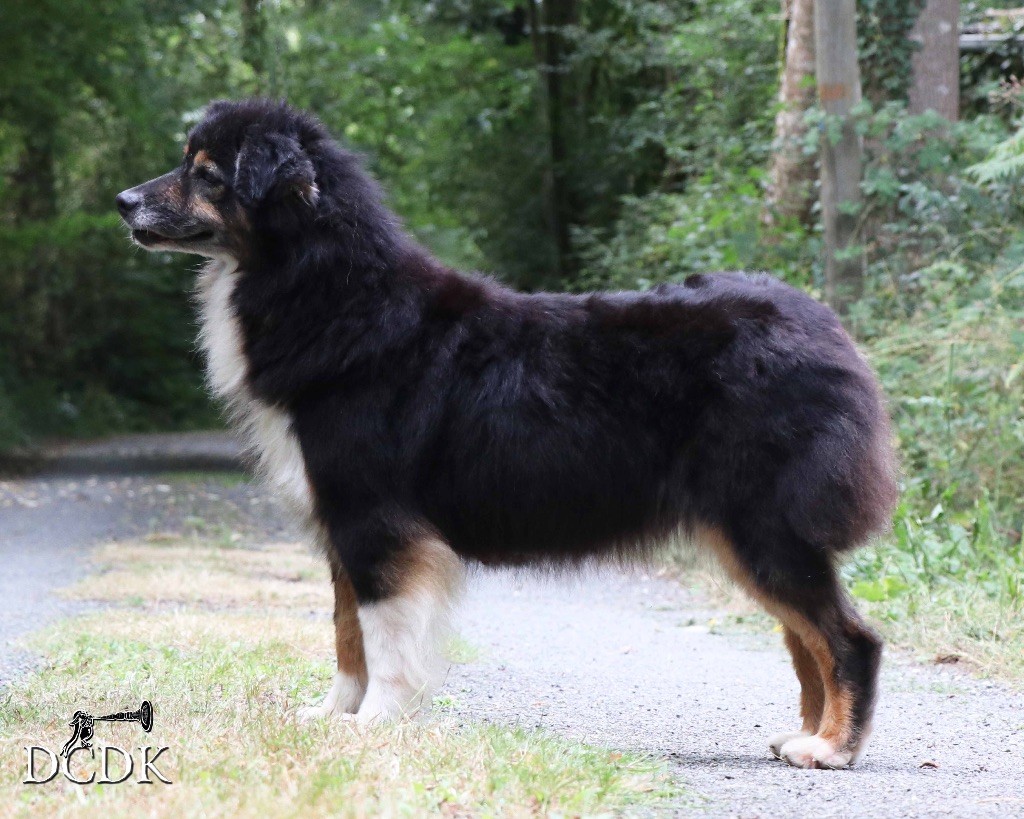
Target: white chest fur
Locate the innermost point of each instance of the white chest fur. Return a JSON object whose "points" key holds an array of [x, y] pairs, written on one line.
{"points": [[267, 429]]}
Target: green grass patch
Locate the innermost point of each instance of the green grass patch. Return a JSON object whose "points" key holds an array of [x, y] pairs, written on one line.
{"points": [[218, 477], [225, 682], [949, 580]]}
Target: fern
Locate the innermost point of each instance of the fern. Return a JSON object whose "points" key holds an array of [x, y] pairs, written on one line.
{"points": [[1006, 162]]}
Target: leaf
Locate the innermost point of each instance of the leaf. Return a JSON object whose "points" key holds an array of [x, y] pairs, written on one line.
{"points": [[877, 591]]}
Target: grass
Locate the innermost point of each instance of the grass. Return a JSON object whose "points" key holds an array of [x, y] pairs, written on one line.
{"points": [[219, 477], [957, 618], [226, 651], [948, 582], [956, 625], [950, 588]]}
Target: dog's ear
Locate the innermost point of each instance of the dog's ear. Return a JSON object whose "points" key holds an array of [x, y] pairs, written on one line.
{"points": [[274, 168]]}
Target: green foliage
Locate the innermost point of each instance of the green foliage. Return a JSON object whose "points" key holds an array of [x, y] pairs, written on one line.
{"points": [[714, 225], [884, 48], [953, 373], [668, 113], [1004, 163], [942, 321], [95, 337], [714, 125]]}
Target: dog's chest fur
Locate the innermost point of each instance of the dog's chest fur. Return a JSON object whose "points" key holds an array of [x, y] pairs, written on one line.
{"points": [[267, 429]]}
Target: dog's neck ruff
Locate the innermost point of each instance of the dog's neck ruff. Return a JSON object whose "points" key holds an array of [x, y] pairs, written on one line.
{"points": [[220, 335], [267, 429]]}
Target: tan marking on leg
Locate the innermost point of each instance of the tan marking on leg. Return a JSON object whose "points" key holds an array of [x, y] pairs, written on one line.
{"points": [[402, 632], [835, 728], [812, 692], [431, 566], [348, 637], [836, 718], [349, 685]]}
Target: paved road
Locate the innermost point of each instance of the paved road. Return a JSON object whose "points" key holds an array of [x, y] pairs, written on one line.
{"points": [[623, 661]]}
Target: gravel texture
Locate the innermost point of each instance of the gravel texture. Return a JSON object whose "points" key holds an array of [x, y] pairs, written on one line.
{"points": [[631, 662], [47, 527], [621, 660]]}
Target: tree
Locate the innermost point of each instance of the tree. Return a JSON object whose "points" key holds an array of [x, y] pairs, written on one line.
{"points": [[935, 84], [254, 40], [548, 22], [835, 29], [791, 173]]}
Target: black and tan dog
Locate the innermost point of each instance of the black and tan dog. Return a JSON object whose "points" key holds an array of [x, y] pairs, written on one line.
{"points": [[418, 418]]}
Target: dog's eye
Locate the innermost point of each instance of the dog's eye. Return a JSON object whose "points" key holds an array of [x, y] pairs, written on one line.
{"points": [[209, 176]]}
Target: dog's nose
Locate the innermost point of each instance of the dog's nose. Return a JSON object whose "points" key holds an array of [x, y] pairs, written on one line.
{"points": [[127, 202]]}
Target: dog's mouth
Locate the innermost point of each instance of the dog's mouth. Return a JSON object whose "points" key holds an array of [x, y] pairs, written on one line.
{"points": [[148, 238]]}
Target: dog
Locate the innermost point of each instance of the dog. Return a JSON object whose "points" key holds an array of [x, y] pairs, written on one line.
{"points": [[419, 419]]}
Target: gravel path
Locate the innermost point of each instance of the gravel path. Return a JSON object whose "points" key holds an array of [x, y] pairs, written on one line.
{"points": [[47, 526], [625, 661], [630, 661]]}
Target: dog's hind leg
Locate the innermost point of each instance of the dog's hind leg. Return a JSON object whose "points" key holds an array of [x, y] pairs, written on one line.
{"points": [[403, 623], [349, 684], [797, 583], [812, 690]]}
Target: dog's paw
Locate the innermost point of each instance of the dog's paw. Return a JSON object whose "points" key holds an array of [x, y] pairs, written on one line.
{"points": [[342, 700], [312, 713], [814, 752], [776, 742], [375, 713]]}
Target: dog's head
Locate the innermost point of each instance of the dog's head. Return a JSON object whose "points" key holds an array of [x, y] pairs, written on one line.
{"points": [[248, 167]]}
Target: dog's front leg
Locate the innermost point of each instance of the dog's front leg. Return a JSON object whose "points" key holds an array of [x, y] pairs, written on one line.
{"points": [[349, 685]]}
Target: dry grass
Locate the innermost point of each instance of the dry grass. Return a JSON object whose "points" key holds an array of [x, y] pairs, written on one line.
{"points": [[280, 575], [226, 652], [957, 624]]}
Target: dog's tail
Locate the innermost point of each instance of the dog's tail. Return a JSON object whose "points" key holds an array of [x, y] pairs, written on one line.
{"points": [[843, 489]]}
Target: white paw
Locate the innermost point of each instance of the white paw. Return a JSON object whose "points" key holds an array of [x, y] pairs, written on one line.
{"points": [[343, 699], [776, 742], [312, 713], [388, 703], [367, 717], [814, 752]]}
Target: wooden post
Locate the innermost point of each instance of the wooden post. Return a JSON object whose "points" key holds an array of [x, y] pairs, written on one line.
{"points": [[835, 34], [936, 64]]}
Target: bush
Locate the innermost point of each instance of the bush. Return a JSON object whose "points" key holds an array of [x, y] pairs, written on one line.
{"points": [[95, 336], [942, 321]]}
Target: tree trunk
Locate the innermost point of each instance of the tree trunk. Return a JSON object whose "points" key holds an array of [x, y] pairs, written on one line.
{"points": [[548, 21], [254, 34], [791, 174], [835, 30], [935, 84]]}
